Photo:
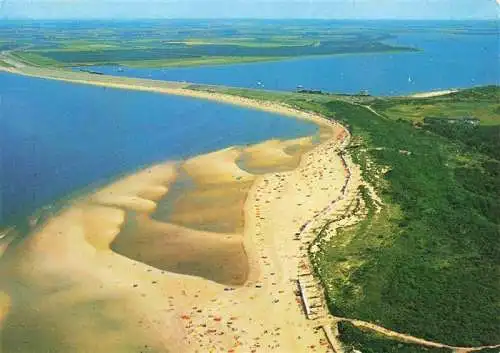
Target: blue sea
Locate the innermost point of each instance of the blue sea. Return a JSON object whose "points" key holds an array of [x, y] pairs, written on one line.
{"points": [[57, 138], [447, 59]]}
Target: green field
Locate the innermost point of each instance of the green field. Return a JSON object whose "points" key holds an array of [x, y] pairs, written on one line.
{"points": [[204, 60], [4, 64], [482, 103], [185, 43], [428, 263]]}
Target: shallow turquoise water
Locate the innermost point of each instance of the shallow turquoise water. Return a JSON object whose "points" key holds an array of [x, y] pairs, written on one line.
{"points": [[56, 138]]}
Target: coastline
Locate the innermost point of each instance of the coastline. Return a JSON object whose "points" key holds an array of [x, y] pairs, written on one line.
{"points": [[269, 246], [264, 193], [163, 87], [232, 60], [93, 224], [277, 243]]}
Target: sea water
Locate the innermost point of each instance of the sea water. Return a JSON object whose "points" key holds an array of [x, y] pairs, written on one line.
{"points": [[57, 138]]}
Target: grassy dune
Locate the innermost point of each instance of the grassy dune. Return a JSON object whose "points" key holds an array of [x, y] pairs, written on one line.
{"points": [[482, 102], [4, 64], [427, 265]]}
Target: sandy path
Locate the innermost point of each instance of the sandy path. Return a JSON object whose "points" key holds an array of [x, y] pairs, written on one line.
{"points": [[410, 339], [433, 93]]}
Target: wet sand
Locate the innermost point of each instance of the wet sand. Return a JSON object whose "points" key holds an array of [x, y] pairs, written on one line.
{"points": [[106, 262], [217, 274]]}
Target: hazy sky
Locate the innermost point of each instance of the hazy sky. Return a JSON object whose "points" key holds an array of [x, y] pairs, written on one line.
{"points": [[341, 9]]}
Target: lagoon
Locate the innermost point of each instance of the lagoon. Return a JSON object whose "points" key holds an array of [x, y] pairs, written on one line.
{"points": [[58, 138]]}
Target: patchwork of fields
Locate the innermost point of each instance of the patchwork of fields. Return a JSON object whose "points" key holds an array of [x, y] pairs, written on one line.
{"points": [[181, 43]]}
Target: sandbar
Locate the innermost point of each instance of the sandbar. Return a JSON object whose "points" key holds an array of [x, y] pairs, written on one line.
{"points": [[105, 275]]}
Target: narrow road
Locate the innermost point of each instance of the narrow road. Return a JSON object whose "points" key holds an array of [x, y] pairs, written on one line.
{"points": [[411, 339], [367, 107]]}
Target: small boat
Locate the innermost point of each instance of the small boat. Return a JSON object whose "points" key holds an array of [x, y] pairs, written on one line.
{"points": [[91, 72], [410, 80]]}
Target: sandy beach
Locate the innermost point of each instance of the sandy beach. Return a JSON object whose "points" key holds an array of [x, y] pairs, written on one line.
{"points": [[212, 275], [433, 93]]}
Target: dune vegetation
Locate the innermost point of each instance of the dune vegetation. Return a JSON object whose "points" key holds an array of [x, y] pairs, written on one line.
{"points": [[427, 264], [481, 102]]}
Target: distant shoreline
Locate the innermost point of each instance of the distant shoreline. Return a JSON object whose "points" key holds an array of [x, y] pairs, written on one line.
{"points": [[173, 87], [226, 61]]}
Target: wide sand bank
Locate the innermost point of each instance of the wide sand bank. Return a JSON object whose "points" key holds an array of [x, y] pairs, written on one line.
{"points": [[215, 272]]}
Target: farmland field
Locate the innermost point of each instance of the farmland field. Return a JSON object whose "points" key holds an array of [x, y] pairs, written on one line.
{"points": [[186, 43]]}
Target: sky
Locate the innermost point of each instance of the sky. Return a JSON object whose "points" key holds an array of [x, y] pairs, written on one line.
{"points": [[331, 9]]}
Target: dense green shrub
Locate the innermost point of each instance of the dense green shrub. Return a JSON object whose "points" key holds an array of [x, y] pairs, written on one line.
{"points": [[428, 263], [432, 270]]}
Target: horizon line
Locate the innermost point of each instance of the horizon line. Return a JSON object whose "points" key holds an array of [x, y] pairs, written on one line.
{"points": [[241, 18]]}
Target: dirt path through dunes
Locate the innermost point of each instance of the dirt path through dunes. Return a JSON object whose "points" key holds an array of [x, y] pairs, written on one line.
{"points": [[433, 93], [408, 338]]}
